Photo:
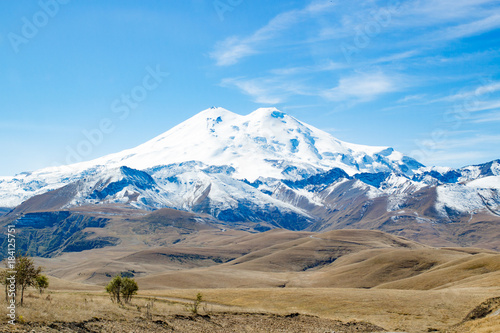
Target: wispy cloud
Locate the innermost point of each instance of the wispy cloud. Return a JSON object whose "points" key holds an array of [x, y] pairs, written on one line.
{"points": [[396, 57], [487, 118], [480, 98], [231, 50], [427, 21], [393, 54], [446, 10], [470, 29], [459, 148], [484, 89], [467, 141], [265, 90], [362, 87], [411, 98], [324, 67], [476, 106], [462, 158]]}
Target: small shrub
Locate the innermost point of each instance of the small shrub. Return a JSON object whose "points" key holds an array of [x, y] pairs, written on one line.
{"points": [[195, 306], [128, 289], [114, 289], [125, 287], [41, 283]]}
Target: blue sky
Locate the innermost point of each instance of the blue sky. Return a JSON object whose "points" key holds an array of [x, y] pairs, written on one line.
{"points": [[420, 76]]}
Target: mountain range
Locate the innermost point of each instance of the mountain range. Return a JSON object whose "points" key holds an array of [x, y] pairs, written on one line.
{"points": [[269, 170]]}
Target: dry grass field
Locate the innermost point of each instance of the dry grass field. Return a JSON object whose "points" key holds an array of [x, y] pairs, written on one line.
{"points": [[342, 281], [485, 325], [392, 310], [94, 312], [395, 310]]}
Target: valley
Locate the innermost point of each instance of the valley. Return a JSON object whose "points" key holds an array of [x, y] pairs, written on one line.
{"points": [[345, 280]]}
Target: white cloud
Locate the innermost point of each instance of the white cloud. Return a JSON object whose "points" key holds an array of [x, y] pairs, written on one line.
{"points": [[424, 21], [471, 29], [411, 98], [457, 148], [259, 89], [268, 90], [447, 20], [445, 10], [469, 141], [488, 118], [231, 50], [274, 90], [481, 98], [253, 88], [327, 66], [456, 159], [363, 87], [486, 88], [397, 56], [476, 105]]}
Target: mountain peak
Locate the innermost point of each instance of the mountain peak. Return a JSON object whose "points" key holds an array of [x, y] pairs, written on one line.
{"points": [[264, 143], [259, 114], [215, 112], [271, 112]]}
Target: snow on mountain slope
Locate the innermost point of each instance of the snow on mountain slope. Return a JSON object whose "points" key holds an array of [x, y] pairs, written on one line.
{"points": [[190, 186], [120, 185], [196, 186], [479, 194], [266, 143], [458, 197], [482, 170], [486, 182], [465, 190], [16, 189], [258, 145], [266, 162], [443, 175]]}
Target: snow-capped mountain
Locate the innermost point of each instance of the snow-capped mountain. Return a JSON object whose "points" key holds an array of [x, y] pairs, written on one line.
{"points": [[267, 168], [266, 143]]}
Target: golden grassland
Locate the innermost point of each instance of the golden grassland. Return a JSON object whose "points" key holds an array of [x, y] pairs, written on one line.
{"points": [[75, 307], [401, 310], [485, 325], [395, 310], [347, 275]]}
